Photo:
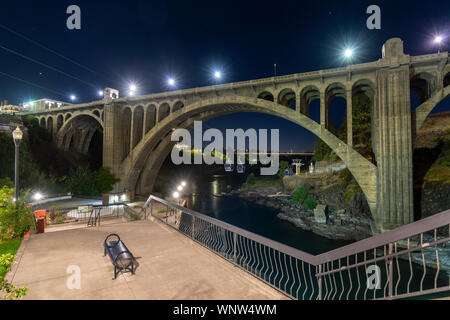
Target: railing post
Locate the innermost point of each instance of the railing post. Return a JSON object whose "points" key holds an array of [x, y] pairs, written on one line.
{"points": [[193, 224], [319, 282], [234, 246], [391, 269], [167, 213], [151, 208]]}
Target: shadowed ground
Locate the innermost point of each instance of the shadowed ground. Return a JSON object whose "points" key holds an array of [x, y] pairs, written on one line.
{"points": [[171, 266]]}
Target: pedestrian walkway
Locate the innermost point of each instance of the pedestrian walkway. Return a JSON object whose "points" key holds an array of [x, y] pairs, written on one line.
{"points": [[171, 266]]}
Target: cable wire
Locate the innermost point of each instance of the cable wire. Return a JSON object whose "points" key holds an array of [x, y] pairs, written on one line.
{"points": [[46, 65], [32, 84], [53, 51]]}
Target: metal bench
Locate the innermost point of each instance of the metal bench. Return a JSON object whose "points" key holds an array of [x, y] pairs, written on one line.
{"points": [[120, 256]]}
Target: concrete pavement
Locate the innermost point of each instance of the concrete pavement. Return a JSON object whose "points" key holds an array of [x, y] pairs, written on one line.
{"points": [[171, 266]]}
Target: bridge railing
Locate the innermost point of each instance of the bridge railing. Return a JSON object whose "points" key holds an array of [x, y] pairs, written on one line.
{"points": [[409, 261], [56, 216]]}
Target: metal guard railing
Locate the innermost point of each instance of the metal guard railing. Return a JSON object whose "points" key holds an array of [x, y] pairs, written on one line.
{"points": [[409, 261]]}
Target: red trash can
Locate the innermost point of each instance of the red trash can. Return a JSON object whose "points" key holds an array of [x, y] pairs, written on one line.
{"points": [[41, 225]]}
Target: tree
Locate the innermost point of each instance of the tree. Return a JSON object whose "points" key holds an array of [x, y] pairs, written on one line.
{"points": [[282, 166], [82, 181], [105, 180], [362, 122], [6, 156]]}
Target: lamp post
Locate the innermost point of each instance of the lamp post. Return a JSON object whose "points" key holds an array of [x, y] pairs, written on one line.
{"points": [[17, 136]]}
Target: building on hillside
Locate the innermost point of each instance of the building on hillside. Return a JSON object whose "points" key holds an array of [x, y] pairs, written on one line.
{"points": [[44, 105], [9, 108], [8, 123]]}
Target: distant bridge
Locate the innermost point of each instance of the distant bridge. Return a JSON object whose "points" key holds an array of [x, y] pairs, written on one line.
{"points": [[136, 130]]}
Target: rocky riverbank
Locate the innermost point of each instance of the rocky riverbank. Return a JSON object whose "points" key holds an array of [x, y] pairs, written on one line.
{"points": [[341, 224]]}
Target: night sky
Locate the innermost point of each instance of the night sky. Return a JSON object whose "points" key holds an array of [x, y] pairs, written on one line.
{"points": [[148, 41]]}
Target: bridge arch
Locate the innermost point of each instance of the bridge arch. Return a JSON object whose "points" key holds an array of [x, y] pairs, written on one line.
{"points": [[77, 130], [424, 85], [177, 106], [446, 80], [287, 98], [42, 123], [333, 91], [364, 86], [307, 95], [59, 122], [138, 124], [363, 170], [50, 125], [266, 95], [163, 111], [150, 117], [127, 115], [422, 111]]}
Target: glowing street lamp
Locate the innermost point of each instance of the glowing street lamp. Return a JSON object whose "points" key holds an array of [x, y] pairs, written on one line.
{"points": [[37, 196], [438, 40], [348, 53], [132, 89], [17, 137], [176, 195], [183, 183], [217, 75], [73, 97], [100, 93], [179, 188], [171, 82]]}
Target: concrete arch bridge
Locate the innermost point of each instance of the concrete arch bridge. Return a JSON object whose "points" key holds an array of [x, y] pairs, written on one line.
{"points": [[136, 130]]}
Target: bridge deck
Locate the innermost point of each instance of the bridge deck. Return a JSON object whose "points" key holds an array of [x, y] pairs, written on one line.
{"points": [[171, 266]]}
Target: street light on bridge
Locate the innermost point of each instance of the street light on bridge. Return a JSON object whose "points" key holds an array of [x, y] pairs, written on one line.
{"points": [[438, 40], [171, 82], [348, 53]]}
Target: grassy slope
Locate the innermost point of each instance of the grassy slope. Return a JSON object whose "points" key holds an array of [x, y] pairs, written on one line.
{"points": [[8, 247], [262, 182]]}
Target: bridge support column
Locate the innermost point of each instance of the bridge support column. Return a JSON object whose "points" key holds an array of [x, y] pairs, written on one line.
{"points": [[349, 118], [393, 140], [113, 143], [323, 111]]}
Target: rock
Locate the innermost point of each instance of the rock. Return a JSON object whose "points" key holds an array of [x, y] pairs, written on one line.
{"points": [[321, 213], [340, 212]]}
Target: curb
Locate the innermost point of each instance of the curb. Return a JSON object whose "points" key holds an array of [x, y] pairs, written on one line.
{"points": [[15, 265]]}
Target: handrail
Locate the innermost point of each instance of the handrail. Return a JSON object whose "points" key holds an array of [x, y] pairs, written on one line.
{"points": [[400, 233], [409, 252], [307, 257]]}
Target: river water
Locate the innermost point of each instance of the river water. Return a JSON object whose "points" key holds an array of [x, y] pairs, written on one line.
{"points": [[206, 183]]}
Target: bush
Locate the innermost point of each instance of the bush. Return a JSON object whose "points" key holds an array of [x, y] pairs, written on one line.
{"points": [[16, 218], [301, 195], [7, 290], [83, 181], [310, 202], [251, 179], [346, 176]]}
